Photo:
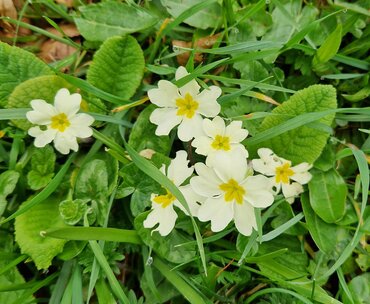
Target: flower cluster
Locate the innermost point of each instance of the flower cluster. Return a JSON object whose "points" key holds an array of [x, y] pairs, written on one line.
{"points": [[227, 186], [59, 123]]}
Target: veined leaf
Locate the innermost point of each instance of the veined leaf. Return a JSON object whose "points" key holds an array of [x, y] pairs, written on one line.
{"points": [[101, 21], [8, 181], [303, 144], [29, 227], [117, 67], [43, 87], [328, 192], [16, 66]]}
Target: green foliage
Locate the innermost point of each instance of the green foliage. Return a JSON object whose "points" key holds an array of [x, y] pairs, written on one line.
{"points": [[360, 289], [8, 182], [209, 17], [43, 87], [72, 211], [101, 21], [17, 66], [328, 192], [117, 67], [42, 164], [303, 144], [29, 228]]}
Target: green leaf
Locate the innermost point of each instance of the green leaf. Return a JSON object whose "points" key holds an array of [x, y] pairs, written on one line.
{"points": [[330, 47], [30, 225], [143, 135], [92, 184], [117, 67], [43, 87], [303, 144], [72, 210], [16, 66], [8, 181], [322, 233], [328, 192], [101, 21], [42, 163], [167, 247], [208, 17], [360, 289]]}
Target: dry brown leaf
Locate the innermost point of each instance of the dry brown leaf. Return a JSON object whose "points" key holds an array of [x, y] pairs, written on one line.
{"points": [[52, 50], [67, 3], [69, 29], [203, 43], [7, 9]]}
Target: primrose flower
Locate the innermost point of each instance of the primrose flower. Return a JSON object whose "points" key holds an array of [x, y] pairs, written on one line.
{"points": [[230, 193], [220, 138], [163, 212], [282, 175], [183, 106], [60, 123]]}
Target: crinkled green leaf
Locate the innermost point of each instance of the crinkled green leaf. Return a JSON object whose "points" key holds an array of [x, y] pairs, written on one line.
{"points": [[117, 67], [92, 184], [8, 181], [28, 226], [360, 289], [209, 17], [303, 144], [16, 66], [328, 192], [101, 21], [43, 87], [143, 135], [72, 210], [42, 162], [166, 246]]}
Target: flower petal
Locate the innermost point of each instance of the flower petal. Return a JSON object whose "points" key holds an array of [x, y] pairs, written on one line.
{"points": [[244, 218], [166, 119], [165, 95], [302, 175], [178, 170], [42, 112], [42, 138], [192, 87], [190, 128], [202, 145], [191, 198], [232, 165], [208, 105], [165, 217], [64, 142], [291, 190], [207, 183], [67, 103], [235, 132], [214, 127], [218, 212], [258, 191]]}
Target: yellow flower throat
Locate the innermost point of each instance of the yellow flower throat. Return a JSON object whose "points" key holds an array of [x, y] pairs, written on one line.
{"points": [[233, 191], [283, 173], [221, 143], [186, 106], [60, 122], [165, 200]]}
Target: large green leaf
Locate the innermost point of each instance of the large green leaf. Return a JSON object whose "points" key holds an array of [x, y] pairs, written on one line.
{"points": [[101, 21], [328, 192], [143, 135], [8, 181], [209, 17], [117, 67], [360, 289], [167, 247], [43, 87], [303, 144], [16, 66], [322, 233], [28, 232]]}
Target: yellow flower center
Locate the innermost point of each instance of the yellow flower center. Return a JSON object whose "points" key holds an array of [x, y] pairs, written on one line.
{"points": [[60, 122], [164, 200], [187, 106], [233, 191], [221, 143], [283, 173]]}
